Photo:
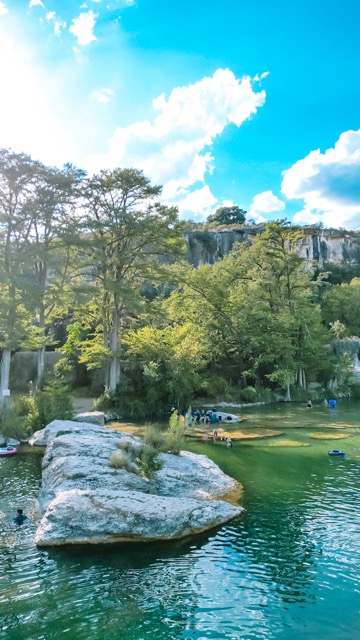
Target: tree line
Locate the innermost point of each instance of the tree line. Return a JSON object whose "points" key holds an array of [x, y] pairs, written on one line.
{"points": [[104, 258]]}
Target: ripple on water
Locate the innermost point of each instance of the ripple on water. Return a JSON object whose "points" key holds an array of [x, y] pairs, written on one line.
{"points": [[278, 572]]}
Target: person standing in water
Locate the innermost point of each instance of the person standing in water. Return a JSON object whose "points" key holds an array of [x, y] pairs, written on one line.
{"points": [[309, 404], [20, 517]]}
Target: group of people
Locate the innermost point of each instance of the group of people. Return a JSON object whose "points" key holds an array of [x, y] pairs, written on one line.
{"points": [[331, 403], [222, 439], [207, 417]]}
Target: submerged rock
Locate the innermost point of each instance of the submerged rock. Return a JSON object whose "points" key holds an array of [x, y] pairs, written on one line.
{"points": [[85, 501]]}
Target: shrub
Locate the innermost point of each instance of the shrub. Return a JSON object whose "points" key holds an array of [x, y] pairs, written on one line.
{"points": [[11, 423], [128, 446], [117, 403], [355, 389], [54, 402], [148, 461], [119, 460], [103, 402], [176, 432], [248, 394], [156, 438], [264, 394]]}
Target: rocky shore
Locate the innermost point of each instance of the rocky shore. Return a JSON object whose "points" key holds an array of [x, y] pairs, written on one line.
{"points": [[83, 500]]}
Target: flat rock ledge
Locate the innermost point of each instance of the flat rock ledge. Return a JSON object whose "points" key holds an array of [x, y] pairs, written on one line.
{"points": [[83, 500], [94, 417]]}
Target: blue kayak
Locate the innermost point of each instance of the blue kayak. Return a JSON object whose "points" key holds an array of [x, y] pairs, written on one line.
{"points": [[337, 452]]}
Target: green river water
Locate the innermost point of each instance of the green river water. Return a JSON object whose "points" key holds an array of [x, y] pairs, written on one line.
{"points": [[287, 569]]}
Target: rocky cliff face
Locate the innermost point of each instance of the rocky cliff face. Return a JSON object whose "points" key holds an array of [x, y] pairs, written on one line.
{"points": [[85, 501], [321, 246]]}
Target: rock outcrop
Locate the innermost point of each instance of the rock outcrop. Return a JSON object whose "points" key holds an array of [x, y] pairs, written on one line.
{"points": [[320, 246], [94, 417], [85, 501]]}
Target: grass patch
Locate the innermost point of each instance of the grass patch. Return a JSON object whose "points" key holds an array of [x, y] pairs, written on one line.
{"points": [[120, 460], [156, 438]]}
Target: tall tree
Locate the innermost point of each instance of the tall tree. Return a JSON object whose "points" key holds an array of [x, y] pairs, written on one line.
{"points": [[258, 304], [50, 250], [128, 238], [342, 303], [19, 178], [227, 215]]}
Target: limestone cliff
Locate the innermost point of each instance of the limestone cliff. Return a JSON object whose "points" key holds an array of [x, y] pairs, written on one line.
{"points": [[322, 246]]}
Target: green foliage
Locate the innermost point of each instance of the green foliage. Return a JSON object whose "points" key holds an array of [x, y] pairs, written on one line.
{"points": [[176, 431], [344, 373], [165, 365], [252, 319], [248, 394], [156, 438], [53, 402], [338, 329], [354, 388], [11, 422], [126, 233], [227, 215], [205, 238], [148, 461], [140, 459], [341, 303], [340, 273]]}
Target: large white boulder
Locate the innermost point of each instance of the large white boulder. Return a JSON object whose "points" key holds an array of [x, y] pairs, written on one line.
{"points": [[83, 500]]}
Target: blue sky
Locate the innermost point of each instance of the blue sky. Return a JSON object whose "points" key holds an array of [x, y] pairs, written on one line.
{"points": [[241, 101]]}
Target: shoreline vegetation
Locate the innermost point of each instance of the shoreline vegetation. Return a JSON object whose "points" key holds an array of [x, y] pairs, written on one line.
{"points": [[96, 272]]}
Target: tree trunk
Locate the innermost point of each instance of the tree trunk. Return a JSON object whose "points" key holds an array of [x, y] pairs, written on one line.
{"points": [[288, 396], [40, 367], [5, 376], [41, 352], [302, 378], [114, 371]]}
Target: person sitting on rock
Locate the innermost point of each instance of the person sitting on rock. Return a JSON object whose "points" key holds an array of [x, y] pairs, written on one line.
{"points": [[20, 517]]}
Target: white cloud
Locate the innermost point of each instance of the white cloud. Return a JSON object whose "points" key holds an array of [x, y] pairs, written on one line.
{"points": [[265, 202], [174, 148], [58, 22], [329, 184], [197, 204], [3, 9], [82, 27], [35, 3], [262, 76], [103, 95]]}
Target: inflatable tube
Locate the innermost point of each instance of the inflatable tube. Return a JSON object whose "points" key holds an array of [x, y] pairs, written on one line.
{"points": [[337, 452], [7, 451]]}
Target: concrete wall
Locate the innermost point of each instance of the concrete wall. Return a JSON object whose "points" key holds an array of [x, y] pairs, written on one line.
{"points": [[23, 368]]}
